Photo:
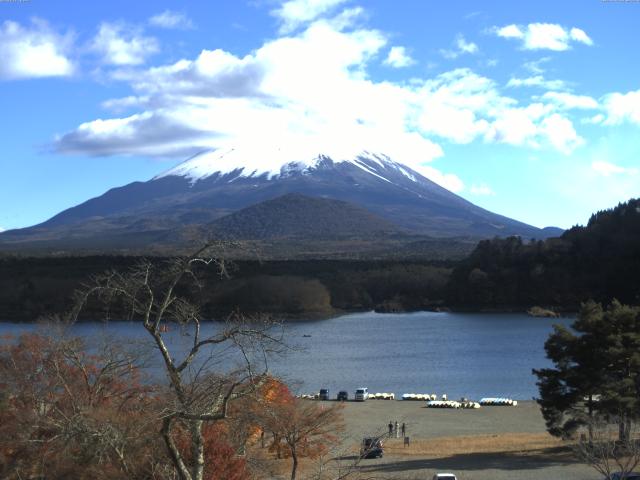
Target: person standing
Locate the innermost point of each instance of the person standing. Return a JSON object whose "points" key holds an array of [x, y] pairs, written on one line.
{"points": [[404, 430], [390, 428], [396, 429]]}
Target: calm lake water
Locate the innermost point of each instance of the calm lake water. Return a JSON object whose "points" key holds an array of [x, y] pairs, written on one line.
{"points": [[471, 355]]}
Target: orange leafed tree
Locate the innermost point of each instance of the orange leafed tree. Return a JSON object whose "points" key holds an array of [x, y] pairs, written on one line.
{"points": [[67, 414], [304, 428], [222, 461]]}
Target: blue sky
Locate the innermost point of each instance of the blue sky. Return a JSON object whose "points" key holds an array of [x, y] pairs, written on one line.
{"points": [[529, 109]]}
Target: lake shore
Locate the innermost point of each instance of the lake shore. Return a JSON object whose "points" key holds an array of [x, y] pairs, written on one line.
{"points": [[490, 443]]}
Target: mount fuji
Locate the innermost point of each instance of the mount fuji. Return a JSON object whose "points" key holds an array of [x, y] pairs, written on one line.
{"points": [[352, 196]]}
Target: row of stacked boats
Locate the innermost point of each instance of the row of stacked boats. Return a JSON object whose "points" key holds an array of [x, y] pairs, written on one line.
{"points": [[382, 396], [498, 401], [452, 404]]}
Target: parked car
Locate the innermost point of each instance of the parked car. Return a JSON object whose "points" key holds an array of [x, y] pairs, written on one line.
{"points": [[361, 395], [628, 476], [343, 396], [324, 394], [444, 476], [371, 447]]}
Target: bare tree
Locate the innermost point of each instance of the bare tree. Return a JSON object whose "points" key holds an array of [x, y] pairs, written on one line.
{"points": [[605, 452], [217, 367]]}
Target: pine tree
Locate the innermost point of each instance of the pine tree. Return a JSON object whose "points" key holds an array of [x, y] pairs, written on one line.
{"points": [[596, 371]]}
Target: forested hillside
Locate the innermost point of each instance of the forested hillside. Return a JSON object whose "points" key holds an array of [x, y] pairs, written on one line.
{"points": [[600, 260], [33, 287]]}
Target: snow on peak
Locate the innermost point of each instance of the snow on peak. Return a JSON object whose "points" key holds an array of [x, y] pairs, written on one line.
{"points": [[274, 163]]}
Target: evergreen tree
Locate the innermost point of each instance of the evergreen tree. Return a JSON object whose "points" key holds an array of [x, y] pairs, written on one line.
{"points": [[596, 371]]}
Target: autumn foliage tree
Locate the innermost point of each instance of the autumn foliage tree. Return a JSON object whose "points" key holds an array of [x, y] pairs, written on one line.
{"points": [[300, 427], [222, 461], [65, 413]]}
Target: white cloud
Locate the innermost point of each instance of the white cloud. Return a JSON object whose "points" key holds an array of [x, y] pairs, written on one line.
{"points": [[570, 101], [295, 13], [122, 104], [537, 81], [510, 31], [154, 134], [453, 105], [544, 36], [347, 18], [214, 73], [560, 132], [607, 169], [534, 66], [448, 180], [461, 47], [580, 36], [597, 119], [466, 47], [33, 51], [482, 189], [122, 44], [622, 107], [535, 125], [2, 230], [516, 126], [398, 58], [171, 20], [312, 93], [309, 92]]}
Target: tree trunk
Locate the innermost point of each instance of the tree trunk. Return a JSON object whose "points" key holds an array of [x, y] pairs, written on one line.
{"points": [[294, 467], [624, 428], [197, 449], [590, 425], [174, 453], [621, 430], [276, 442]]}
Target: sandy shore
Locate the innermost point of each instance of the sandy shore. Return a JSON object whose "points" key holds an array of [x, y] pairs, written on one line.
{"points": [[490, 443], [372, 416]]}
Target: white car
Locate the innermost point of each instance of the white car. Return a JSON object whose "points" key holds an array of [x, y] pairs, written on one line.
{"points": [[444, 476], [361, 395]]}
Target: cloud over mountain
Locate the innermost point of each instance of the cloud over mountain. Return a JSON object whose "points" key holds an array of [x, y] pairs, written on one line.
{"points": [[312, 91]]}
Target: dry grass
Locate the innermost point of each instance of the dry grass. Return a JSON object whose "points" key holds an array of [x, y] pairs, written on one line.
{"points": [[522, 445], [497, 443]]}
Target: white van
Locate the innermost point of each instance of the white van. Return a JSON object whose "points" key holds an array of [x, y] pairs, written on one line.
{"points": [[361, 395]]}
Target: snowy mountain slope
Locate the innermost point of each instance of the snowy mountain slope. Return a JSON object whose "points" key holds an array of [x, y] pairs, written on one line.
{"points": [[211, 185], [238, 163]]}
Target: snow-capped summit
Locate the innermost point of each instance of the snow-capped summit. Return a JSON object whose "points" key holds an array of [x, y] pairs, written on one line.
{"points": [[214, 184], [275, 163]]}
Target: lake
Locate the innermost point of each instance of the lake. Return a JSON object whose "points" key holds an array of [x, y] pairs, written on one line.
{"points": [[460, 354]]}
